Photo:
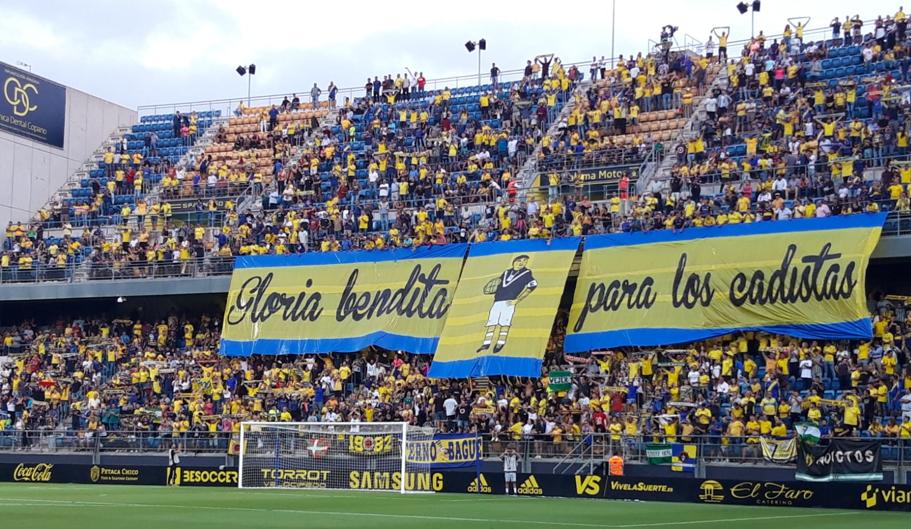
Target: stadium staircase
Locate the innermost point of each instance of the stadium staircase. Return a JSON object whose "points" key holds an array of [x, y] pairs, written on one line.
{"points": [[529, 173], [65, 191], [662, 172], [188, 161], [78, 188], [251, 201]]}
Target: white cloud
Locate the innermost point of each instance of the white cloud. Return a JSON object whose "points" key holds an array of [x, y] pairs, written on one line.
{"points": [[171, 50]]}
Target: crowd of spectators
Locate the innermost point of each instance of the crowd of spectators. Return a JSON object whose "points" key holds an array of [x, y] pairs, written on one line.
{"points": [[607, 123], [803, 120], [406, 165], [148, 384]]}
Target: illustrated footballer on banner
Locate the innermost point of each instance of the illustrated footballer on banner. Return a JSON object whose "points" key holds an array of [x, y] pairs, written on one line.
{"points": [[503, 311], [508, 290]]}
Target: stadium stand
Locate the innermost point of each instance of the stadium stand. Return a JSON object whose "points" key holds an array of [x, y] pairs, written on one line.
{"points": [[803, 120], [788, 130], [404, 167], [117, 190], [153, 383]]}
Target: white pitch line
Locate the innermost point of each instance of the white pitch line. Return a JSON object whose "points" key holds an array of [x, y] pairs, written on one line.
{"points": [[68, 503], [30, 502], [728, 520]]}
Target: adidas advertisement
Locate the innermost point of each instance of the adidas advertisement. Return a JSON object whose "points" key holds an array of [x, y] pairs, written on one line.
{"points": [[530, 487], [479, 485]]}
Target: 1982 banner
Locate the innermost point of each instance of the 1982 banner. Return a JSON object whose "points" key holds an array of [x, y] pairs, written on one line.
{"points": [[803, 278]]}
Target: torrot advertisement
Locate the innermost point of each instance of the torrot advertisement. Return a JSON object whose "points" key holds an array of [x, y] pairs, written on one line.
{"points": [[31, 106]]}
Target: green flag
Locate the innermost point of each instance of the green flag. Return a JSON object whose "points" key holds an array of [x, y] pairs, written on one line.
{"points": [[807, 432], [658, 453], [560, 380]]}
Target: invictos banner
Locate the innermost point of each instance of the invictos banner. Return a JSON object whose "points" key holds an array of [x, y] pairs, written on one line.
{"points": [[340, 301], [840, 460], [803, 278]]}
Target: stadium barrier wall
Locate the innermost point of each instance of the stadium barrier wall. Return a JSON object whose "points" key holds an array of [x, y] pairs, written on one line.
{"points": [[855, 495]]}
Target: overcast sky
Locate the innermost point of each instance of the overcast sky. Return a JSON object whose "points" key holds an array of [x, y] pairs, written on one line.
{"points": [[148, 52]]}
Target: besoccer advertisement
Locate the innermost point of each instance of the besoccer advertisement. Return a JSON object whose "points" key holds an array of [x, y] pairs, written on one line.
{"points": [[504, 308]]}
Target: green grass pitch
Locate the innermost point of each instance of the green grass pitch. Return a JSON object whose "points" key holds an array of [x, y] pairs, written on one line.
{"points": [[139, 507]]}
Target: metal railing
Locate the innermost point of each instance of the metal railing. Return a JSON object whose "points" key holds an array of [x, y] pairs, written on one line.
{"points": [[739, 175], [116, 441], [74, 272], [571, 453], [897, 224], [581, 452]]}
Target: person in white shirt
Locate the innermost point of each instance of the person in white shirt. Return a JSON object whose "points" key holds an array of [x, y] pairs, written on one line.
{"points": [[510, 464], [806, 373], [450, 405], [780, 184], [173, 464], [723, 388], [906, 405], [532, 207], [711, 107]]}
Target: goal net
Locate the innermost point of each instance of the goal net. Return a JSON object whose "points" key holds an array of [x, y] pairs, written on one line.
{"points": [[351, 455]]}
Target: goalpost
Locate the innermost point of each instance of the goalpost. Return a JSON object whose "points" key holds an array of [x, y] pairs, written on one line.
{"points": [[383, 456]]}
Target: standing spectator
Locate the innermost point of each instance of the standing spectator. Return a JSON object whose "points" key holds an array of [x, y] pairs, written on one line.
{"points": [[314, 95], [406, 87], [495, 76], [273, 117], [333, 92], [421, 82], [176, 124], [376, 89], [836, 27], [450, 405], [153, 142]]}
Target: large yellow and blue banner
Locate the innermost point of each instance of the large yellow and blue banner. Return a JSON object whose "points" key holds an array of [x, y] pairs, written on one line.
{"points": [[803, 278], [340, 301], [504, 308]]}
